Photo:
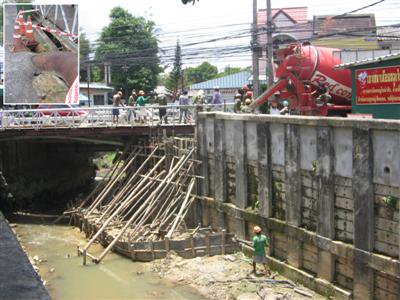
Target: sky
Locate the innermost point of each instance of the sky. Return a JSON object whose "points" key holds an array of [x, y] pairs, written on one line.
{"points": [[209, 19]]}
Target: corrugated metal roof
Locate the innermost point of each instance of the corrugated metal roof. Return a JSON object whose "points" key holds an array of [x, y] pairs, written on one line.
{"points": [[369, 61], [96, 85], [236, 80]]}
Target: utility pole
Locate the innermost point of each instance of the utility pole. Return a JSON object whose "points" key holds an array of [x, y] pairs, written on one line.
{"points": [[255, 52], [126, 68], [270, 72]]}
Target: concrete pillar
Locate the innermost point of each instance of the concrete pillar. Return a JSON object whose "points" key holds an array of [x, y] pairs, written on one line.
{"points": [[239, 142], [293, 190], [203, 188], [363, 196], [326, 199], [220, 184], [264, 169]]}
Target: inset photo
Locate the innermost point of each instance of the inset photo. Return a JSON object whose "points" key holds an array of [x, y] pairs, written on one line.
{"points": [[41, 54]]}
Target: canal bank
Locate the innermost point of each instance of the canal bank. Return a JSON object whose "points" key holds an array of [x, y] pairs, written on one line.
{"points": [[18, 279]]}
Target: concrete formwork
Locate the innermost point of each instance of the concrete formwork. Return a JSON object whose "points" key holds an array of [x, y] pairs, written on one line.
{"points": [[328, 195]]}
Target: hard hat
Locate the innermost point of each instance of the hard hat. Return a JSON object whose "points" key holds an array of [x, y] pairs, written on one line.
{"points": [[285, 103], [248, 101], [249, 93], [257, 229], [245, 88], [141, 92], [238, 95]]}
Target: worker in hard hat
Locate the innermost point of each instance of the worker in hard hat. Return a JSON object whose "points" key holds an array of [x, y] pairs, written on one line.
{"points": [[260, 241], [237, 100], [246, 109]]}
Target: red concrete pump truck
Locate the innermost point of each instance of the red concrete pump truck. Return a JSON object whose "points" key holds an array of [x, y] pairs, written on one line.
{"points": [[303, 74]]}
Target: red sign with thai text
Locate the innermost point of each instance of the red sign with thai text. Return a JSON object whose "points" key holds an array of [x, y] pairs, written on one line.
{"points": [[378, 86]]}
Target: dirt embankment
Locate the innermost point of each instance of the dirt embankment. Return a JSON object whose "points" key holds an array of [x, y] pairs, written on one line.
{"points": [[228, 277]]}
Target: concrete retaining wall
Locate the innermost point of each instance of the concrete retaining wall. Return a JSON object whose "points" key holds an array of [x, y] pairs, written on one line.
{"points": [[326, 189]]}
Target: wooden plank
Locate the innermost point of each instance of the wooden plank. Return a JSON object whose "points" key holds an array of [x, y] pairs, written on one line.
{"points": [[386, 213], [308, 181], [386, 190], [345, 203], [310, 248], [387, 225], [344, 270], [381, 294], [391, 285], [310, 266], [309, 203], [343, 191], [344, 281], [344, 236], [343, 181], [386, 249], [310, 256], [344, 215], [386, 237], [310, 193], [344, 225]]}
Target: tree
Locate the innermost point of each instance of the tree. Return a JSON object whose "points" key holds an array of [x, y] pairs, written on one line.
{"points": [[84, 53], [203, 72], [228, 70], [84, 47], [129, 41], [175, 77]]}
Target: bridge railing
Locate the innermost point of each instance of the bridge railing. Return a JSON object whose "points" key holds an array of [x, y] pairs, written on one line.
{"points": [[104, 116]]}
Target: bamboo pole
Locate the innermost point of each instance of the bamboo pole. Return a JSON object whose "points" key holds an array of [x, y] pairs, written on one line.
{"points": [[169, 234], [104, 225], [102, 196], [142, 207]]}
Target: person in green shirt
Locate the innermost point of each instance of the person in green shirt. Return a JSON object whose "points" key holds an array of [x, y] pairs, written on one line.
{"points": [[260, 241], [141, 102]]}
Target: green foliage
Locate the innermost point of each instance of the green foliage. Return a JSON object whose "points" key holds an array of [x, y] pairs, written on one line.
{"points": [[202, 72], [314, 166], [130, 40], [228, 70], [84, 46], [175, 76], [390, 201]]}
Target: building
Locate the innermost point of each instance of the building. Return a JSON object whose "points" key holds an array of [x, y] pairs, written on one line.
{"points": [[350, 31], [290, 25], [98, 92], [228, 85], [376, 86]]}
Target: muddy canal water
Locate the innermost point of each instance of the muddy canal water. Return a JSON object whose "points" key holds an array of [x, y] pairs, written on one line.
{"points": [[115, 278]]}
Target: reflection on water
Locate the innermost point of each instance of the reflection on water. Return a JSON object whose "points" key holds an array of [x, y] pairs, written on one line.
{"points": [[115, 278]]}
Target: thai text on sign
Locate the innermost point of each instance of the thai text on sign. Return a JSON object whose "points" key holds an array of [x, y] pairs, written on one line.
{"points": [[378, 86]]}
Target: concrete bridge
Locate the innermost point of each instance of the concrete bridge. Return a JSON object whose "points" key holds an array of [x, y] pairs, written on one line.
{"points": [[94, 125]]}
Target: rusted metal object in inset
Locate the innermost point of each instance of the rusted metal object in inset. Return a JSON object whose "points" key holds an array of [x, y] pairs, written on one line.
{"points": [[65, 64]]}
